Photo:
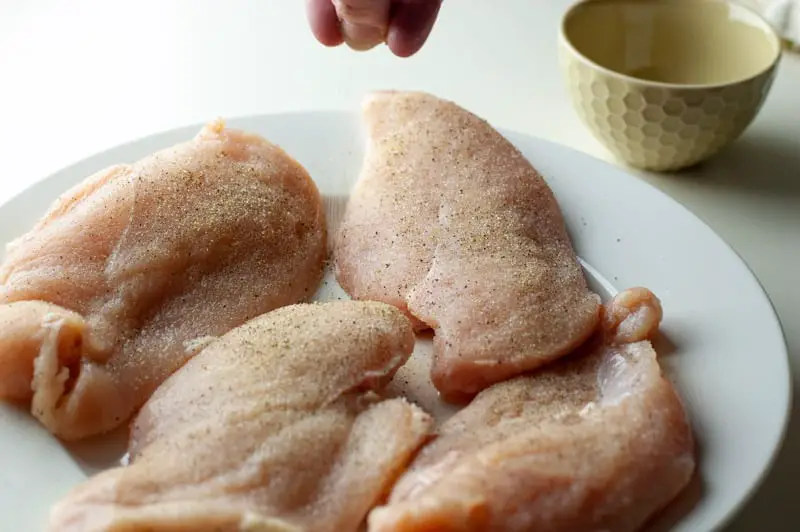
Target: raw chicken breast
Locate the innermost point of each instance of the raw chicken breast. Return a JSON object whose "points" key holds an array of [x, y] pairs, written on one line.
{"points": [[274, 427], [450, 223], [134, 269], [598, 441]]}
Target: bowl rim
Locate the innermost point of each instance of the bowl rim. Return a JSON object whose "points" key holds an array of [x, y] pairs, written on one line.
{"points": [[768, 28]]}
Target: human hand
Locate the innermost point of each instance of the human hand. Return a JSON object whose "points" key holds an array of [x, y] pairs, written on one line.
{"points": [[404, 25]]}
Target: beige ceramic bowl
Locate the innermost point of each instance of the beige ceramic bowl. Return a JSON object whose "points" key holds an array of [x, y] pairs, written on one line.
{"points": [[665, 84]]}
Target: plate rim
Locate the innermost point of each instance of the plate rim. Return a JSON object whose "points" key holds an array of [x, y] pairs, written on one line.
{"points": [[337, 114]]}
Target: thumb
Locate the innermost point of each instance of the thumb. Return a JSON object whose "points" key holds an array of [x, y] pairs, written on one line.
{"points": [[364, 23]]}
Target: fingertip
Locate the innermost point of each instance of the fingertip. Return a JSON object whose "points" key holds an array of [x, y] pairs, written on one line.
{"points": [[402, 47], [324, 22], [410, 27]]}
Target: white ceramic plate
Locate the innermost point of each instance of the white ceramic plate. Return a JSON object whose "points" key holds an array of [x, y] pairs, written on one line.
{"points": [[722, 342]]}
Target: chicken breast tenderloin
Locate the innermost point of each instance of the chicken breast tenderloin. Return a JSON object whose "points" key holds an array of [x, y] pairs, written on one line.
{"points": [[274, 427], [133, 270], [450, 223], [596, 441]]}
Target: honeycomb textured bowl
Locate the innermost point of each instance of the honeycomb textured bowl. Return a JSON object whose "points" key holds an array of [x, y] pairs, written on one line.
{"points": [[658, 126]]}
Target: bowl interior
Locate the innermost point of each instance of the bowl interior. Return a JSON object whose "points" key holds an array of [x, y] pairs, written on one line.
{"points": [[687, 42]]}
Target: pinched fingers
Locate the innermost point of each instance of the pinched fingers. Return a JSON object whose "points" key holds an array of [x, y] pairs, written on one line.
{"points": [[404, 25]]}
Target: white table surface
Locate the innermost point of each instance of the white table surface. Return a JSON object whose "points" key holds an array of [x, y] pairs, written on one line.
{"points": [[80, 76]]}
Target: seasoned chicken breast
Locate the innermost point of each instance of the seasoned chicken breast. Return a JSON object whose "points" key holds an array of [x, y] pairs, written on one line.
{"points": [[597, 441], [133, 270], [450, 223], [276, 426]]}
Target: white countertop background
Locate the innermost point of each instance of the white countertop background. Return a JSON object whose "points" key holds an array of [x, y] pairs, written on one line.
{"points": [[81, 76]]}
